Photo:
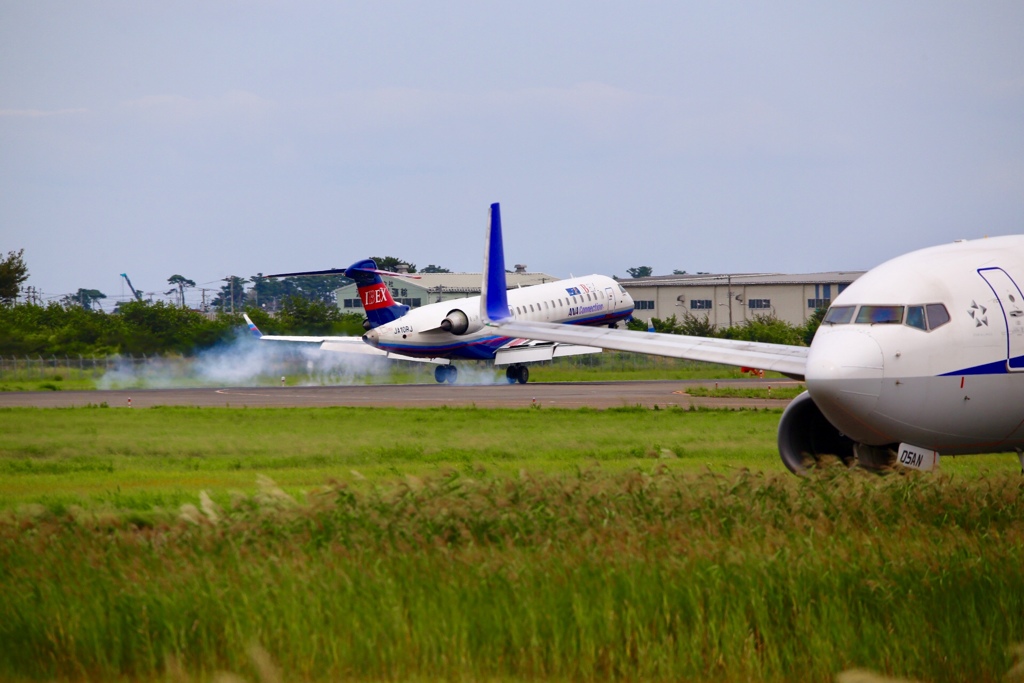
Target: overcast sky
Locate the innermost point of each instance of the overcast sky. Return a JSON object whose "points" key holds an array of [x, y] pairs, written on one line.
{"points": [[233, 137]]}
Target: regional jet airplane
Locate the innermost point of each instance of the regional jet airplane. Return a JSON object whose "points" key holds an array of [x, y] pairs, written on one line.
{"points": [[920, 356], [442, 332]]}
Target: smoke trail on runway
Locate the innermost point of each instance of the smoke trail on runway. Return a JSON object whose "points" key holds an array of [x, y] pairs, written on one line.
{"points": [[245, 361]]}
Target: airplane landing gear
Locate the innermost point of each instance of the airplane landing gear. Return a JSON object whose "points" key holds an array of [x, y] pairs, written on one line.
{"points": [[446, 373], [517, 373]]}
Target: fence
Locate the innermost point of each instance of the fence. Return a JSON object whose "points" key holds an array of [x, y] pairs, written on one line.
{"points": [[46, 367]]}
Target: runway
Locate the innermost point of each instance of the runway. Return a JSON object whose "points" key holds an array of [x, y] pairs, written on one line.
{"points": [[663, 393]]}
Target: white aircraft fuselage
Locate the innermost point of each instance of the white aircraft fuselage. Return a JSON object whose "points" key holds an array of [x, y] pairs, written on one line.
{"points": [[954, 386], [422, 333]]}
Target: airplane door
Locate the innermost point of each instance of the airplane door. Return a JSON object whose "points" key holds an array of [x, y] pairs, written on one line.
{"points": [[1011, 302], [611, 298]]}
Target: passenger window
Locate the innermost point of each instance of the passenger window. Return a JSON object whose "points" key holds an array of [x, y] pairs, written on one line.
{"points": [[937, 315], [839, 315], [545, 305], [531, 308], [915, 317], [880, 315]]}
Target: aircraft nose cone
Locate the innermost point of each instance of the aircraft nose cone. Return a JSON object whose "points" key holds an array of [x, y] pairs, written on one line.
{"points": [[844, 376]]}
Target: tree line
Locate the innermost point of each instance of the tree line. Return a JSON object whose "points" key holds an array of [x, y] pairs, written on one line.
{"points": [[760, 328], [143, 327]]}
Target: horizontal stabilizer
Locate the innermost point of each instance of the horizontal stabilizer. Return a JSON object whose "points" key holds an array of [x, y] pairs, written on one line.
{"points": [[344, 271]]}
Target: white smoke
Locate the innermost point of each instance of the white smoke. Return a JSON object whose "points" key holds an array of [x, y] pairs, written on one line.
{"points": [[246, 361]]}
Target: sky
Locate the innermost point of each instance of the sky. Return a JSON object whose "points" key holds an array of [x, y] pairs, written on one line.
{"points": [[235, 137]]}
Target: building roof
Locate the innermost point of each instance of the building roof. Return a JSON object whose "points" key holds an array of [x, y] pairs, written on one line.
{"points": [[712, 280]]}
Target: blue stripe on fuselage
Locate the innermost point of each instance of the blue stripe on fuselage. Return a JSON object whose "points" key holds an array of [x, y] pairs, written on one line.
{"points": [[999, 367]]}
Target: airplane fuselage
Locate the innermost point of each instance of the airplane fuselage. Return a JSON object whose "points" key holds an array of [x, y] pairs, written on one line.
{"points": [[928, 349], [588, 300]]}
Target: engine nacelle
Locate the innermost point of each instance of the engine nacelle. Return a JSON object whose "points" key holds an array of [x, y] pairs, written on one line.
{"points": [[457, 322], [805, 436]]}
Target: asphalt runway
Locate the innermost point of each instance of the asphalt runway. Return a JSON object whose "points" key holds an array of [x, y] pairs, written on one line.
{"points": [[663, 393]]}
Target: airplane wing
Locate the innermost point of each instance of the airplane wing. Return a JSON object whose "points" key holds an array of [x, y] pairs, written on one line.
{"points": [[788, 360], [532, 351], [354, 345]]}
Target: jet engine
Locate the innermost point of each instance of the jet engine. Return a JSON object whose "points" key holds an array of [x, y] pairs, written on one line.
{"points": [[805, 436], [457, 322]]}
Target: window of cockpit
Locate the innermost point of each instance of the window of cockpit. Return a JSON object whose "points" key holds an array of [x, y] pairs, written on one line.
{"points": [[839, 315], [880, 315], [937, 315], [915, 317], [622, 289]]}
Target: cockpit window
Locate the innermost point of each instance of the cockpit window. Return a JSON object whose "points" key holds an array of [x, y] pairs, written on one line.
{"points": [[839, 315], [915, 317], [937, 315], [880, 315]]}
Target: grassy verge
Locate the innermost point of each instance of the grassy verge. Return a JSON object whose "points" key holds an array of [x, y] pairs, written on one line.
{"points": [[164, 456], [757, 391]]}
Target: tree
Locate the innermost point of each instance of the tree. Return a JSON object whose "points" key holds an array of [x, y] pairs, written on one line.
{"points": [[84, 298], [679, 272], [693, 325], [766, 328], [392, 262], [434, 269], [669, 325], [181, 283], [812, 324], [13, 272], [640, 271], [232, 294]]}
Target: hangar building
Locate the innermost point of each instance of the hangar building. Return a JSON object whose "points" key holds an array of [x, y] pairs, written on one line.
{"points": [[728, 300]]}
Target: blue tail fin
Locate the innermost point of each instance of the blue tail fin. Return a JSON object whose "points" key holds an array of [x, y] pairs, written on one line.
{"points": [[380, 307], [494, 297]]}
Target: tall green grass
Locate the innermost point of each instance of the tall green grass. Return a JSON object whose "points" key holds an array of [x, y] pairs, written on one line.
{"points": [[578, 576]]}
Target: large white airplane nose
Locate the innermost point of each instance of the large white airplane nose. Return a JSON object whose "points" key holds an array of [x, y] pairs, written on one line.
{"points": [[844, 374]]}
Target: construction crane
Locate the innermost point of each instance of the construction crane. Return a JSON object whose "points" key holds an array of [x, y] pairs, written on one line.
{"points": [[138, 295]]}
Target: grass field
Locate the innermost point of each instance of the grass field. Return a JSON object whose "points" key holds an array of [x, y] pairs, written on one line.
{"points": [[466, 544]]}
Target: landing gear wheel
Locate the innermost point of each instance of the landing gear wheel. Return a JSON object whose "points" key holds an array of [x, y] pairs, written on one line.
{"points": [[523, 374], [512, 374], [441, 373], [453, 374]]}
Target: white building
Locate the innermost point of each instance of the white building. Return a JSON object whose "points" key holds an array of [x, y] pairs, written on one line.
{"points": [[728, 300]]}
